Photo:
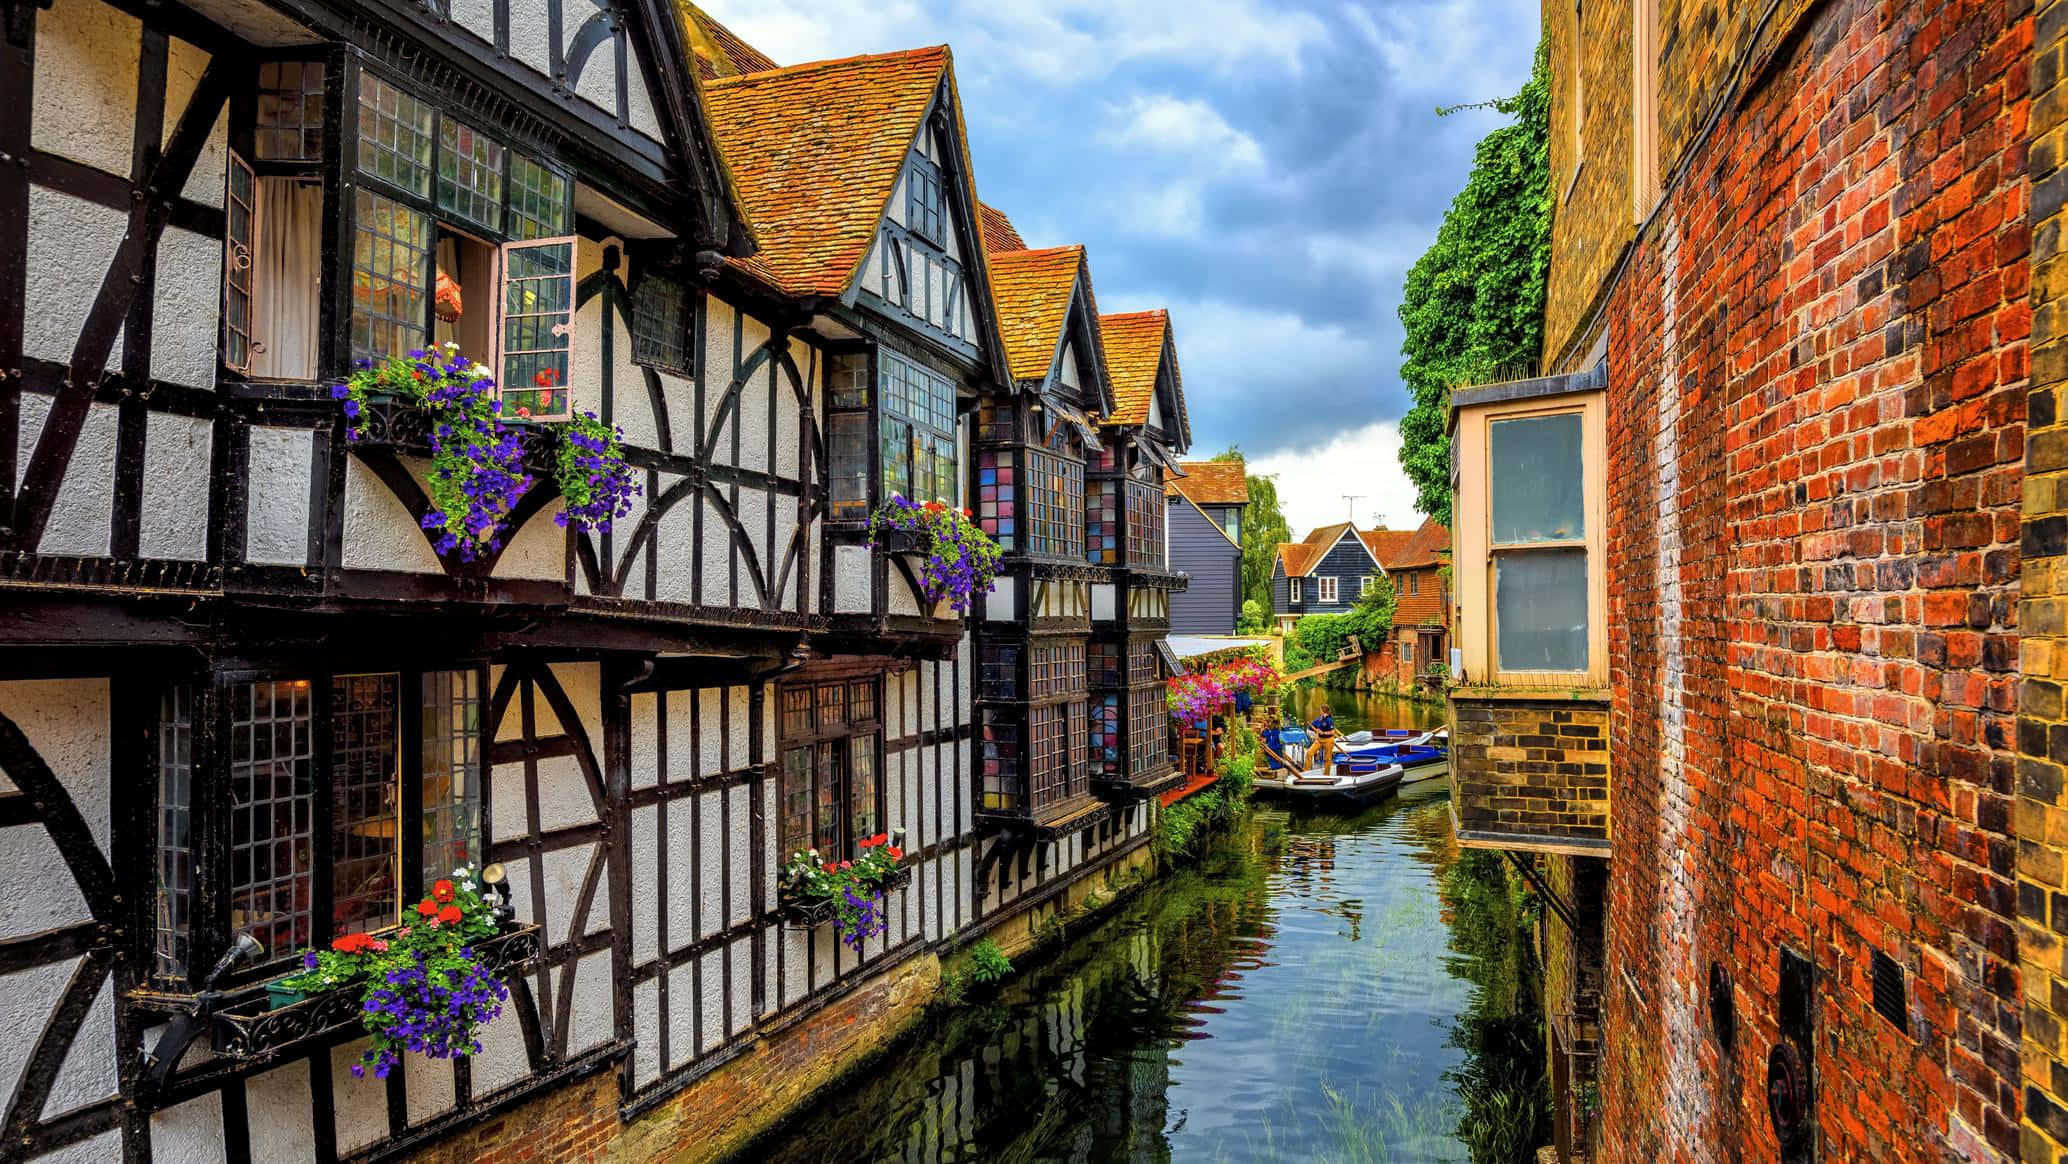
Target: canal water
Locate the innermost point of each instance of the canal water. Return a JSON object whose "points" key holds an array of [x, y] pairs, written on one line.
{"points": [[1314, 988]]}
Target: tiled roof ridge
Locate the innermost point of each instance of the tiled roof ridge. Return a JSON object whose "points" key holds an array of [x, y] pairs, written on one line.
{"points": [[785, 72]]}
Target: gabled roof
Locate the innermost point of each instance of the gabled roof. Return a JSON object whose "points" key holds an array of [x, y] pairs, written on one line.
{"points": [[1403, 549], [1137, 343], [1031, 293], [999, 233], [815, 152], [719, 50], [1210, 483], [1302, 556]]}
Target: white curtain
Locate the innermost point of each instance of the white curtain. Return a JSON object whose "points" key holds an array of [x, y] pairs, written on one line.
{"points": [[290, 237]]}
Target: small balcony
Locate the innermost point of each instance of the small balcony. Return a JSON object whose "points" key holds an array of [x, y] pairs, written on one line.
{"points": [[1530, 769]]}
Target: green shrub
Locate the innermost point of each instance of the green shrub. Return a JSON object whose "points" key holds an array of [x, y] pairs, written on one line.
{"points": [[988, 963], [1254, 619]]}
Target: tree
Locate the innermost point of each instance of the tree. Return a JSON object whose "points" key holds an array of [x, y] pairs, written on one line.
{"points": [[1263, 527], [1474, 301]]}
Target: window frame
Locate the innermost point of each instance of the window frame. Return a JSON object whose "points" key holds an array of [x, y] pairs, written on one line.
{"points": [[1293, 589], [822, 741], [642, 346], [1477, 556], [210, 815], [1327, 590]]}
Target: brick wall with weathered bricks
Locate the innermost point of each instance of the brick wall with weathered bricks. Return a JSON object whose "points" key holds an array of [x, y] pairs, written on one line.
{"points": [[2043, 618], [1592, 218], [1817, 370], [1536, 768]]}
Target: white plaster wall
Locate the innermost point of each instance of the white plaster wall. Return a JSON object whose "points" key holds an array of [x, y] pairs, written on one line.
{"points": [[753, 515], [719, 321], [430, 1086], [850, 580], [67, 236], [682, 1015], [1102, 601], [191, 1133], [711, 1004], [502, 1062], [175, 501], [682, 711], [66, 721], [276, 530], [362, 1104], [718, 562], [751, 415], [645, 739], [683, 849], [591, 1020], [710, 861], [278, 1106], [582, 684], [88, 1073], [646, 1032], [710, 758], [81, 520], [638, 105], [646, 883], [185, 321], [26, 1002], [598, 84], [779, 555], [1002, 597], [379, 533], [739, 844], [184, 64], [900, 599], [476, 16], [531, 35], [676, 538], [539, 551], [85, 84], [738, 725]]}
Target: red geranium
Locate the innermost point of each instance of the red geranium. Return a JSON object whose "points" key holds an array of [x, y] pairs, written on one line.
{"points": [[896, 854], [878, 839], [427, 907], [441, 889], [450, 915], [546, 377], [358, 944]]}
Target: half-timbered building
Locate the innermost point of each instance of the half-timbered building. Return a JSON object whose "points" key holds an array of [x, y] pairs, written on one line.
{"points": [[246, 705]]}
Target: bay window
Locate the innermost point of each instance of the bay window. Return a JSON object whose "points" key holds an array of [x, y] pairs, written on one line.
{"points": [[452, 235], [831, 799], [1036, 743], [1148, 729], [906, 421], [1530, 507], [333, 799]]}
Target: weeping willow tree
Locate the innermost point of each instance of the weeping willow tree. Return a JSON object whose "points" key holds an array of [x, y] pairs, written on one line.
{"points": [[1474, 303]]}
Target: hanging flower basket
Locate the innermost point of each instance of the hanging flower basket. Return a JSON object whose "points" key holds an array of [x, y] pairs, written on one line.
{"points": [[850, 894], [483, 459], [958, 560]]}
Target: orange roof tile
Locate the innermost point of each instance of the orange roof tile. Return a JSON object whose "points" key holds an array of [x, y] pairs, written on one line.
{"points": [[719, 50], [1402, 549], [1386, 544], [1031, 292], [1211, 483], [1134, 351], [999, 233], [815, 151], [1298, 558]]}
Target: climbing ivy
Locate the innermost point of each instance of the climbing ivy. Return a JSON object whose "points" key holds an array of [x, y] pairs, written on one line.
{"points": [[1474, 303]]}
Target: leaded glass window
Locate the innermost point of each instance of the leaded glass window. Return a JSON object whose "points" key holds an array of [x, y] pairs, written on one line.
{"points": [[453, 722], [660, 325], [395, 136], [1055, 505], [366, 813], [240, 237], [391, 255], [1106, 733], [1145, 518], [539, 205], [829, 792], [272, 811], [996, 496], [917, 435], [1102, 522], [290, 111], [175, 903], [926, 201], [470, 174], [538, 327], [999, 761]]}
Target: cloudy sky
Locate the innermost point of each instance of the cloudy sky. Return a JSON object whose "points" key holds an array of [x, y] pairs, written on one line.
{"points": [[1266, 169]]}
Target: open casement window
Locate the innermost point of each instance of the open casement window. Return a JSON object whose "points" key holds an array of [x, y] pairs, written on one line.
{"points": [[240, 240], [1531, 506], [538, 327], [831, 797], [332, 801]]}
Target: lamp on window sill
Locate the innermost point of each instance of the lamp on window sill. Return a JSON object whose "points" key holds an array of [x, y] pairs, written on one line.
{"points": [[161, 1057], [498, 882]]}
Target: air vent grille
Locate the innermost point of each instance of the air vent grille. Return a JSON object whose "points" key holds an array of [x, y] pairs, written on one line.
{"points": [[1888, 991]]}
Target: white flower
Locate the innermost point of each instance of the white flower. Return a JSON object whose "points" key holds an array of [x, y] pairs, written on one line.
{"points": [[482, 372]]}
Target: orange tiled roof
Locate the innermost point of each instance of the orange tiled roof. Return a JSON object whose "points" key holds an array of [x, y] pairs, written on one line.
{"points": [[999, 233], [1386, 544], [719, 50], [1403, 549], [1134, 350], [815, 151], [1211, 483], [1298, 558], [1031, 291]]}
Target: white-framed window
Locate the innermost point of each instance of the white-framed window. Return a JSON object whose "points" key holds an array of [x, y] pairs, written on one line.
{"points": [[1364, 585], [1295, 589], [1325, 590]]}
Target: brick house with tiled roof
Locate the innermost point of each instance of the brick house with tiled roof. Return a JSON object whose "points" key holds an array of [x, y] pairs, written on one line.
{"points": [[1414, 560]]}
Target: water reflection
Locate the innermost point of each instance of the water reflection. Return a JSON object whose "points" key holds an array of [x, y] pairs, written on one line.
{"points": [[1362, 711], [1296, 996]]}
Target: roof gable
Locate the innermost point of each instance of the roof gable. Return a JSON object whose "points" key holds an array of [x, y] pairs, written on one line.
{"points": [[999, 233], [1141, 355], [1401, 549], [815, 151], [1317, 545], [1047, 312]]}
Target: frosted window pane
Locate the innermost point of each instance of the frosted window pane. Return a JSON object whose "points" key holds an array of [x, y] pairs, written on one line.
{"points": [[1540, 608], [1536, 479]]}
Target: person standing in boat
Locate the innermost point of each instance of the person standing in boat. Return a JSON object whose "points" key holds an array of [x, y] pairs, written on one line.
{"points": [[1324, 726]]}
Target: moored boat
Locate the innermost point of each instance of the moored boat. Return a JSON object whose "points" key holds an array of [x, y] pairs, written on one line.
{"points": [[1362, 772]]}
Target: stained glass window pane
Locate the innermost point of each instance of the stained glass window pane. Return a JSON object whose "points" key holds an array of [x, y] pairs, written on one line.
{"points": [[272, 815], [290, 111], [175, 899], [394, 136], [391, 251], [470, 174], [796, 798], [365, 816]]}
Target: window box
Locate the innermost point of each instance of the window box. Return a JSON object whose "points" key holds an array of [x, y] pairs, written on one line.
{"points": [[809, 914], [260, 1021]]}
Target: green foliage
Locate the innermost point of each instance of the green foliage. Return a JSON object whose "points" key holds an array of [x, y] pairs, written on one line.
{"points": [[1319, 638], [1263, 527], [988, 963], [1474, 301], [1502, 1083], [1256, 616]]}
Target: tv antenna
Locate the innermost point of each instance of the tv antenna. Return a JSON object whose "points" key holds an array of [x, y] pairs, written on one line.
{"points": [[1350, 505]]}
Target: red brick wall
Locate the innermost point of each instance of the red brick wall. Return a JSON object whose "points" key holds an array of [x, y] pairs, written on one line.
{"points": [[1817, 369]]}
